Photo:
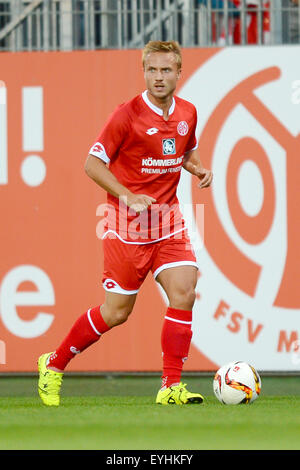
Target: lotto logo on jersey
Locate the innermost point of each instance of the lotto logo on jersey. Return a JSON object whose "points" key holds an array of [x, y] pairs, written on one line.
{"points": [[152, 131], [169, 147]]}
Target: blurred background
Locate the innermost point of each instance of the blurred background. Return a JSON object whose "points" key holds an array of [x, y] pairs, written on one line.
{"points": [[64, 67], [71, 24]]}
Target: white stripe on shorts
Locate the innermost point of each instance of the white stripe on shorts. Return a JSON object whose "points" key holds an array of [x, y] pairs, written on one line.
{"points": [[178, 321], [142, 243], [116, 289], [173, 265]]}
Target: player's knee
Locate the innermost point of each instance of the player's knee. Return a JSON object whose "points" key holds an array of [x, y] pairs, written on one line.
{"points": [[119, 316], [183, 297]]}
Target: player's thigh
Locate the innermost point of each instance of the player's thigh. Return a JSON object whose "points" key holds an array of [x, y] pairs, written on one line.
{"points": [[179, 284], [117, 308]]}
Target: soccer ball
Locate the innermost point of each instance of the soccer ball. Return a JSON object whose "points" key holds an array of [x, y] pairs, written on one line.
{"points": [[236, 382]]}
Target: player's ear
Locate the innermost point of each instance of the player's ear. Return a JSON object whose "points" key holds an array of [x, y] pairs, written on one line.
{"points": [[178, 73]]}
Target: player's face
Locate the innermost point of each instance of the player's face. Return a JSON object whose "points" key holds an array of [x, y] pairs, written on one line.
{"points": [[161, 74]]}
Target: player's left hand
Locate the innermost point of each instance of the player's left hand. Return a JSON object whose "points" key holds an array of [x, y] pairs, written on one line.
{"points": [[205, 176]]}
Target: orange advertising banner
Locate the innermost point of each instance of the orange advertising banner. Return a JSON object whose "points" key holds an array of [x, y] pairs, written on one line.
{"points": [[52, 107]]}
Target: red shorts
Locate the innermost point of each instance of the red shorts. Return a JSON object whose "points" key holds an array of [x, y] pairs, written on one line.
{"points": [[127, 265]]}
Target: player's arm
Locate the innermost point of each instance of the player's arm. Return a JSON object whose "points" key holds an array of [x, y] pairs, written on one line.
{"points": [[193, 165], [97, 170]]}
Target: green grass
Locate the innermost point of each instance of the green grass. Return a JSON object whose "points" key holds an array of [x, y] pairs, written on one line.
{"points": [[119, 413]]}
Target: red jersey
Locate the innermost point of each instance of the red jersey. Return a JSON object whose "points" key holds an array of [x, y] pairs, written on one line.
{"points": [[146, 154]]}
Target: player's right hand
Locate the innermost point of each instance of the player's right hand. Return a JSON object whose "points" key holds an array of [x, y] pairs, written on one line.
{"points": [[138, 202]]}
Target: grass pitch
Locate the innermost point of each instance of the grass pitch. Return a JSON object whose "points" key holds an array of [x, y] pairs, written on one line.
{"points": [[119, 413]]}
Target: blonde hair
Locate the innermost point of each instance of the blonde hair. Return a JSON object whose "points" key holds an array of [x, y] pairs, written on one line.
{"points": [[163, 46]]}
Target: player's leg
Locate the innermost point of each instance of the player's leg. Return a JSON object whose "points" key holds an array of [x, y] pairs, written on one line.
{"points": [[121, 286], [117, 308], [175, 268], [87, 329], [90, 326], [179, 284]]}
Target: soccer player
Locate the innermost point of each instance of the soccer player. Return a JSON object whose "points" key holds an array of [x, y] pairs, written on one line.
{"points": [[137, 159]]}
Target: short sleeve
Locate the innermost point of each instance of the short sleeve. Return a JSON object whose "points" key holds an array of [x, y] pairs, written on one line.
{"points": [[111, 136]]}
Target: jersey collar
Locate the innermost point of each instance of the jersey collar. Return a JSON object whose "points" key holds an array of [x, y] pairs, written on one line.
{"points": [[154, 108]]}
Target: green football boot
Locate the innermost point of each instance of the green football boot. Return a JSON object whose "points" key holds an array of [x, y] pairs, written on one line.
{"points": [[49, 382], [178, 395]]}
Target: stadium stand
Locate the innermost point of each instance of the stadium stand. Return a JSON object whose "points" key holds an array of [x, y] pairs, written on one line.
{"points": [[87, 24]]}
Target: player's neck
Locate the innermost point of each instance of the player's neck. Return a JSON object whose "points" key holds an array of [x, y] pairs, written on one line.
{"points": [[164, 104]]}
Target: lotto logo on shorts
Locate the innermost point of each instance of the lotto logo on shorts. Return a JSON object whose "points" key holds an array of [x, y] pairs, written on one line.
{"points": [[169, 147], [109, 284]]}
